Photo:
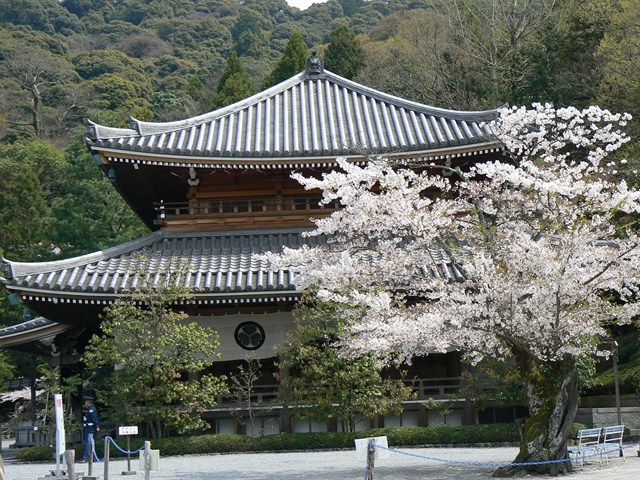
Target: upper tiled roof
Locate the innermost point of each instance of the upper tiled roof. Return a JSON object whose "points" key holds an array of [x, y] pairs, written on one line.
{"points": [[218, 264], [311, 115]]}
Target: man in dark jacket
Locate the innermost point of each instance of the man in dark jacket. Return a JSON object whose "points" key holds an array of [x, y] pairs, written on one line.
{"points": [[90, 425]]}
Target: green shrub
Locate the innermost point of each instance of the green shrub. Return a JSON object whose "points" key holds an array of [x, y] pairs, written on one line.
{"points": [[446, 435], [397, 436], [36, 454]]}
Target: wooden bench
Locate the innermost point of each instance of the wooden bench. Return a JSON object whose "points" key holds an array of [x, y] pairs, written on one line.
{"points": [[588, 441]]}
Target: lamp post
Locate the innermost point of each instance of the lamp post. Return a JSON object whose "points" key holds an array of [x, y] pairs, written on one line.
{"points": [[615, 381]]}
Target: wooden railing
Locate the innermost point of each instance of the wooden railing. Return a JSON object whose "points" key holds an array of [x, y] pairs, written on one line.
{"points": [[436, 388], [245, 207]]}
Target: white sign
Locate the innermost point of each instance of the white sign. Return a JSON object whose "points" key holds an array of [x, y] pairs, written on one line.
{"points": [[127, 430], [60, 435], [362, 445]]}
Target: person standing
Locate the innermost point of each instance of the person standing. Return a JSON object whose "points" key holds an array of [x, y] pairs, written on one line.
{"points": [[90, 425]]}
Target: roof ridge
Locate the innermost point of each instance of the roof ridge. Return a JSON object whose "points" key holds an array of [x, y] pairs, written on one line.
{"points": [[149, 128], [458, 114], [15, 269]]}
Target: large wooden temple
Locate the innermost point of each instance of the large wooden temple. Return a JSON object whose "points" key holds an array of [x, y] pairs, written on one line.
{"points": [[215, 191]]}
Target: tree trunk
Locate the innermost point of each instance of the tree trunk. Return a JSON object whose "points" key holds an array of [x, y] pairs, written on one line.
{"points": [[552, 395]]}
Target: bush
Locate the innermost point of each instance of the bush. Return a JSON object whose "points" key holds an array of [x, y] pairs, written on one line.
{"points": [[398, 436], [36, 454], [446, 435], [202, 444]]}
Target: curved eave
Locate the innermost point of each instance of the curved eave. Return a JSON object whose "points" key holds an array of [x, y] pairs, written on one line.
{"points": [[18, 269], [37, 330], [113, 155], [198, 298]]}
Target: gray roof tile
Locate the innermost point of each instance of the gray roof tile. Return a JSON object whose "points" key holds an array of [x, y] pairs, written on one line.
{"points": [[220, 262], [308, 115]]}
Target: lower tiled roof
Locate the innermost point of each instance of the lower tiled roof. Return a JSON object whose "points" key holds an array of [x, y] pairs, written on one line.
{"points": [[39, 328], [216, 263]]}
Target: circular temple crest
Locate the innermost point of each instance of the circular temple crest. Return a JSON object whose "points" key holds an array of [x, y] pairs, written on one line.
{"points": [[249, 335]]}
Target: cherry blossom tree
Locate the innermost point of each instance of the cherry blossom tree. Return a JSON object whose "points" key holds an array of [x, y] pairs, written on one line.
{"points": [[526, 259]]}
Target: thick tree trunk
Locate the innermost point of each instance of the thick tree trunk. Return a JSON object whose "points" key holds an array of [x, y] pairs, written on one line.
{"points": [[552, 393]]}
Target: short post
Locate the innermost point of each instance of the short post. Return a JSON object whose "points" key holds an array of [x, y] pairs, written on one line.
{"points": [[107, 451], [70, 458], [147, 460], [91, 445], [371, 458]]}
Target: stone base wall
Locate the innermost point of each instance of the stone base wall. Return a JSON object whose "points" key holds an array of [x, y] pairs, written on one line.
{"points": [[605, 416]]}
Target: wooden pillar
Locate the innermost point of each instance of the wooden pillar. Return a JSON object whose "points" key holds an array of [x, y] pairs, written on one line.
{"points": [[286, 425]]}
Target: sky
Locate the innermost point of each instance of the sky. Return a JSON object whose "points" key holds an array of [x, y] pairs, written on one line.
{"points": [[302, 4]]}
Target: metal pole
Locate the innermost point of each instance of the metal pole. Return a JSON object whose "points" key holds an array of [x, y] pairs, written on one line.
{"points": [[617, 387], [107, 445], [615, 381], [129, 471]]}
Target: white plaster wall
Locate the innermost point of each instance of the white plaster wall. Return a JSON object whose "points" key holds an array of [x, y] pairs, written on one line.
{"points": [[276, 325]]}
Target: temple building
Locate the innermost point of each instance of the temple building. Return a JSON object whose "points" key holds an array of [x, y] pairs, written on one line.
{"points": [[215, 191]]}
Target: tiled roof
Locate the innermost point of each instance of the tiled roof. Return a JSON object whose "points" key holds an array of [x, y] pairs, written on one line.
{"points": [[218, 264], [311, 115], [39, 328], [29, 325]]}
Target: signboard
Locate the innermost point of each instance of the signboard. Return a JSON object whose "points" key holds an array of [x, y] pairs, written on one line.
{"points": [[127, 430], [61, 445], [363, 443]]}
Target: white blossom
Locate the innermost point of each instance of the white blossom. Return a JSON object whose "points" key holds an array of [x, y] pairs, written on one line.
{"points": [[524, 252]]}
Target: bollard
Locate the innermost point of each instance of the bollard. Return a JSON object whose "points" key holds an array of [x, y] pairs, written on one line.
{"points": [[371, 458], [107, 450], [91, 445], [70, 458], [147, 460]]}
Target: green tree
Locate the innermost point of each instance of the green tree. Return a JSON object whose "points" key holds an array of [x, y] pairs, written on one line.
{"points": [[234, 84], [49, 95], [322, 383], [293, 61], [89, 213], [344, 54], [30, 179], [151, 351]]}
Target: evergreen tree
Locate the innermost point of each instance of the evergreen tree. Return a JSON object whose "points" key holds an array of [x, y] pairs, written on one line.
{"points": [[344, 54], [295, 55], [234, 84]]}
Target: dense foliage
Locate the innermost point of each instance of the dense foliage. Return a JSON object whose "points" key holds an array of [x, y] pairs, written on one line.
{"points": [[323, 383], [150, 352]]}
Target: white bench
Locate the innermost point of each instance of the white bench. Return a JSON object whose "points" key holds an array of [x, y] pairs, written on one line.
{"points": [[588, 441], [611, 441]]}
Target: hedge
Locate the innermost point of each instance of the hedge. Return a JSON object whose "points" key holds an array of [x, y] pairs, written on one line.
{"points": [[397, 436]]}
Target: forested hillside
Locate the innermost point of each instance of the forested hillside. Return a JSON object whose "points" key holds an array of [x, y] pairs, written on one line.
{"points": [[63, 61]]}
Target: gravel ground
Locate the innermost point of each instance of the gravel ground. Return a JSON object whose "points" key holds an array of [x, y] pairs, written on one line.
{"points": [[335, 465]]}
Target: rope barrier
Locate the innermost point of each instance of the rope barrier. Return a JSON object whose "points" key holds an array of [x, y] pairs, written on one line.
{"points": [[93, 449], [498, 464], [126, 452]]}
